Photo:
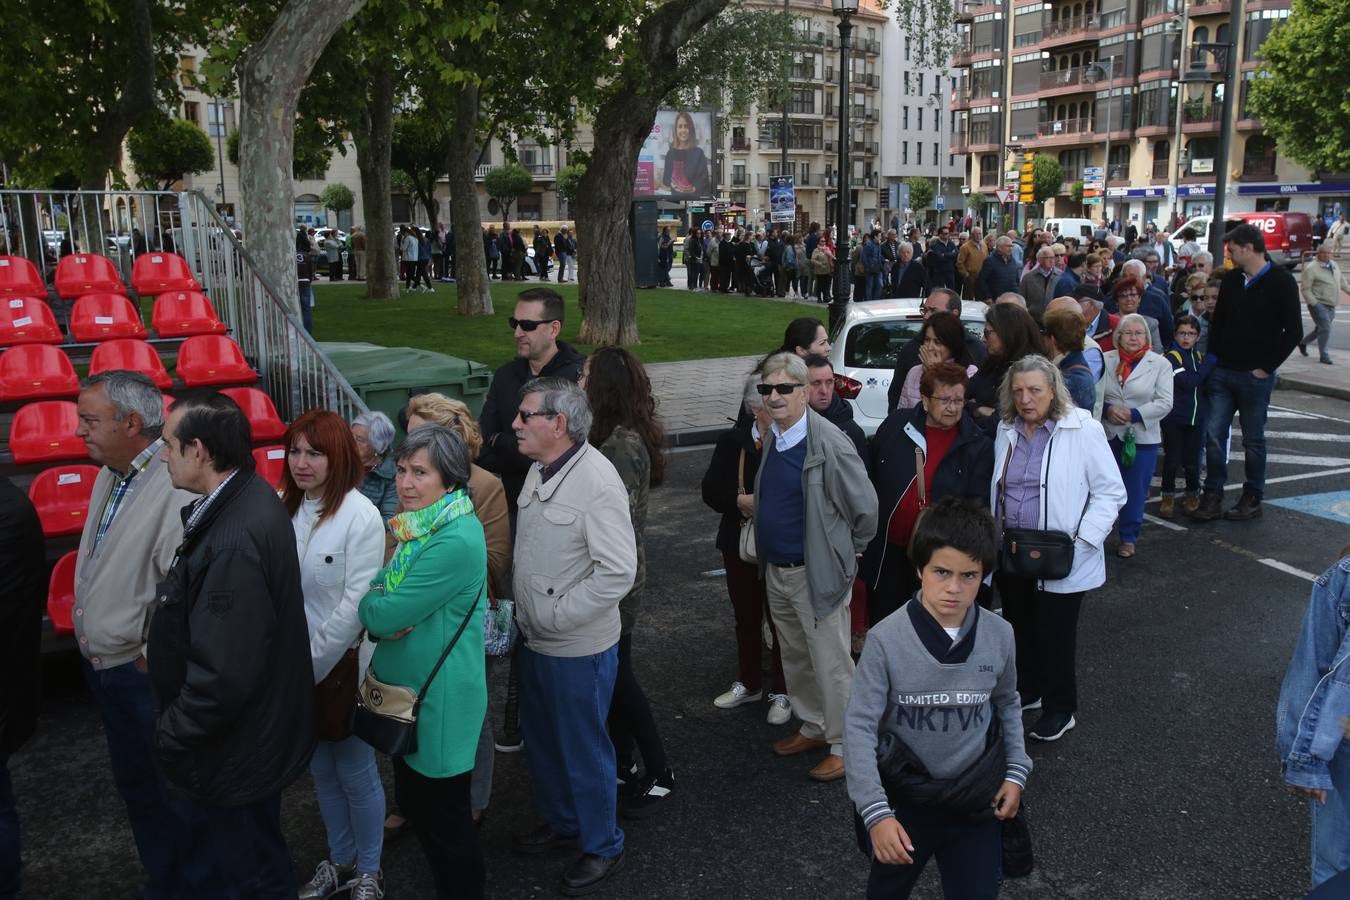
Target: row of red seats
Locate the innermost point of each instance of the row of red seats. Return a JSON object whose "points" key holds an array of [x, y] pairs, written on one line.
{"points": [[70, 514], [41, 371], [89, 273], [45, 431], [100, 317]]}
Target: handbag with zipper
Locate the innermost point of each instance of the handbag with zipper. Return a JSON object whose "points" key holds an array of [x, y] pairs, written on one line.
{"points": [[385, 715], [1040, 553], [746, 546]]}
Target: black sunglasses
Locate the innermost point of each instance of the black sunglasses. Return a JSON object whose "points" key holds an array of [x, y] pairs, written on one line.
{"points": [[782, 389], [527, 324]]}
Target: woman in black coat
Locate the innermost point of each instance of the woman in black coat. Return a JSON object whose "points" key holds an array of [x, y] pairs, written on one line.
{"points": [[1010, 333], [728, 490], [958, 462]]}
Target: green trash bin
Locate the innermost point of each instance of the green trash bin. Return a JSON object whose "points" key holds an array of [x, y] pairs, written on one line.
{"points": [[385, 377]]}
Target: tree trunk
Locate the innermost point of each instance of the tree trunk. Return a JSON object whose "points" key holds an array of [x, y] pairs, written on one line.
{"points": [[471, 280], [606, 282], [372, 159], [271, 75], [103, 148]]}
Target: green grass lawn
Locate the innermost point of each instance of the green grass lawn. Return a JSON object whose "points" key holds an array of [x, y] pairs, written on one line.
{"points": [[673, 324]]}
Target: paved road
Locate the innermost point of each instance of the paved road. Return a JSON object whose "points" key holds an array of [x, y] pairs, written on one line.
{"points": [[1167, 789]]}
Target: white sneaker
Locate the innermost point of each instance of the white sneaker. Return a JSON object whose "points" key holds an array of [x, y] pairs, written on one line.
{"points": [[367, 886], [780, 709], [737, 696]]}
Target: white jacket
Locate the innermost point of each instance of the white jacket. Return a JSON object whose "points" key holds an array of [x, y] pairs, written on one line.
{"points": [[337, 561], [1148, 389], [1081, 492]]}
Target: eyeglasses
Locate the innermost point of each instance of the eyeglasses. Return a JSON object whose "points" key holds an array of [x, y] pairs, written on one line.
{"points": [[528, 324], [1127, 294], [949, 402], [527, 416], [783, 390], [927, 311]]}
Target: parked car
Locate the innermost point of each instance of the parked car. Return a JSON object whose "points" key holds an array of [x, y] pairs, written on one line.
{"points": [[1288, 234], [864, 349]]}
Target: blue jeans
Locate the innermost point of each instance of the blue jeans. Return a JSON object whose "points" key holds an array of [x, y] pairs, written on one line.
{"points": [[9, 837], [1331, 823], [1137, 479], [873, 281], [351, 801], [1232, 392], [252, 851], [307, 306], [166, 829], [563, 704]]}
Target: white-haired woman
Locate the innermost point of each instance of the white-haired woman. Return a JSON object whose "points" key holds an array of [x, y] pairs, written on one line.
{"points": [[1053, 470], [374, 436], [1138, 395]]}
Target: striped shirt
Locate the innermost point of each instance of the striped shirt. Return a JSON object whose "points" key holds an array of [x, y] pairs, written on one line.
{"points": [[199, 508], [122, 489]]}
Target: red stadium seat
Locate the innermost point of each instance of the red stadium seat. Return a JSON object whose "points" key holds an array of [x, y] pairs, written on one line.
{"points": [[262, 414], [184, 314], [210, 359], [45, 432], [101, 317], [128, 353], [270, 462], [61, 497], [61, 594], [158, 272], [87, 273], [20, 278], [37, 372], [27, 320]]}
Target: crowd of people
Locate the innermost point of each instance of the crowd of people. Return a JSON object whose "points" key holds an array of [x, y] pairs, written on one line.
{"points": [[920, 590]]}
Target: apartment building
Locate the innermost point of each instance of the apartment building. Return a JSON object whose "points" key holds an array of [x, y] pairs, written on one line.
{"points": [[916, 134], [1094, 82]]}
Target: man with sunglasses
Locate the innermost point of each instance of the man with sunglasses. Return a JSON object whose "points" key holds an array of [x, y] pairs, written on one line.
{"points": [[815, 512], [537, 322]]}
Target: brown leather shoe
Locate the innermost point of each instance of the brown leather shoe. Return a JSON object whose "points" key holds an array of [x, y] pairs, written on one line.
{"points": [[1210, 508], [796, 743], [831, 768]]}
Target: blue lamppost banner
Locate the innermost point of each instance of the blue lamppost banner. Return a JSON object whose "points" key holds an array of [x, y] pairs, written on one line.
{"points": [[782, 199]]}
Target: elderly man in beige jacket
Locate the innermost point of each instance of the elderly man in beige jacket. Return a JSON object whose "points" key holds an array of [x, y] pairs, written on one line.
{"points": [[575, 559], [1322, 283]]}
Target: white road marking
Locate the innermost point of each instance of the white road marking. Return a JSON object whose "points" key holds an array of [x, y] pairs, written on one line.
{"points": [[1311, 415], [1287, 569], [1308, 436], [1164, 523], [1274, 413], [1293, 459], [714, 573], [1300, 477]]}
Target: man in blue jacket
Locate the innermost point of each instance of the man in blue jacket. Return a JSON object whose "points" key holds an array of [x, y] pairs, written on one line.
{"points": [[1000, 272]]}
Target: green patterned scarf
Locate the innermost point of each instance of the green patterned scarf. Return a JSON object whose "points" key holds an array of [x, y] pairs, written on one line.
{"points": [[414, 528]]}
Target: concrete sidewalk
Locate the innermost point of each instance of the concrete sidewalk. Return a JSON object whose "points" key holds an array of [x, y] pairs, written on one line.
{"points": [[698, 399], [1305, 373]]}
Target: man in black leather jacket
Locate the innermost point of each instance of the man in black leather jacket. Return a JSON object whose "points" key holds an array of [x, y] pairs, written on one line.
{"points": [[228, 651]]}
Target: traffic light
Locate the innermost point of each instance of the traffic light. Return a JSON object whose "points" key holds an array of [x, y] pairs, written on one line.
{"points": [[1026, 183]]}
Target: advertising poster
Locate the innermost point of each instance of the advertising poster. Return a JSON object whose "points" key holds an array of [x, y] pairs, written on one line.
{"points": [[675, 161], [782, 199]]}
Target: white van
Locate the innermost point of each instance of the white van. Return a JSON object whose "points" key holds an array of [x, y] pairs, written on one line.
{"points": [[1081, 229]]}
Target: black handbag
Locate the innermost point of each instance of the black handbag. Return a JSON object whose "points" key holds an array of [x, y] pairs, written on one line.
{"points": [[1040, 553], [385, 715]]}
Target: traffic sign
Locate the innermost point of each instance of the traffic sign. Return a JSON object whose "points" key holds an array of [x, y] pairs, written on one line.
{"points": [[707, 224], [940, 203], [1003, 196]]}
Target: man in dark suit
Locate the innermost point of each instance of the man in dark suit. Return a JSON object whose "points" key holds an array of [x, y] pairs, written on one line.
{"points": [[912, 280]]}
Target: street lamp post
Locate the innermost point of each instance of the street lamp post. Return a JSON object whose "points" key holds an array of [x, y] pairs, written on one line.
{"points": [[1182, 28], [1198, 78], [1109, 72], [942, 145], [220, 152], [844, 9]]}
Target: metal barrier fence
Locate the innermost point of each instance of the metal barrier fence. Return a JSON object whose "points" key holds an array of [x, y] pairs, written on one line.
{"points": [[46, 225]]}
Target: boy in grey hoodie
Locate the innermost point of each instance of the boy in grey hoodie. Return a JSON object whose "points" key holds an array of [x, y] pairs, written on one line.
{"points": [[933, 745]]}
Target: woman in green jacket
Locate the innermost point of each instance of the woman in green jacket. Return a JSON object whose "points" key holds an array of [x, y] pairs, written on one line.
{"points": [[435, 581]]}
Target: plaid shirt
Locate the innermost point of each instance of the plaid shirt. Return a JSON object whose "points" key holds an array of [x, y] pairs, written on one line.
{"points": [[200, 507], [122, 489]]}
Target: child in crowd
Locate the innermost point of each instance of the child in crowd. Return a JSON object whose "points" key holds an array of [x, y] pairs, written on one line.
{"points": [[1182, 436], [1205, 314], [933, 744]]}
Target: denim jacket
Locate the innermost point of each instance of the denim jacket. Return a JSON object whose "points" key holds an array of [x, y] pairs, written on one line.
{"points": [[1314, 707]]}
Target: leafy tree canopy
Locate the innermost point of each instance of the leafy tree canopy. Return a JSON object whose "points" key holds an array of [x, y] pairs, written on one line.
{"points": [[569, 180], [921, 193], [337, 197], [1300, 93], [166, 150], [1048, 177], [507, 182], [313, 153]]}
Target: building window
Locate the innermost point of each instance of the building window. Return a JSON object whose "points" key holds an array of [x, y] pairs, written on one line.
{"points": [[989, 170], [738, 175], [187, 71], [921, 91], [738, 138], [935, 151], [803, 101], [192, 111], [937, 120], [906, 49], [918, 153], [904, 153], [219, 118], [905, 117], [906, 84], [1258, 158]]}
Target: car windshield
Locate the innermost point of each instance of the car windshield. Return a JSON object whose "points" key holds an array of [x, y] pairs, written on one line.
{"points": [[875, 345]]}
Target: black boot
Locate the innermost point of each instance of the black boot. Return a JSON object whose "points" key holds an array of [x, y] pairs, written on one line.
{"points": [[1210, 508], [1247, 507]]}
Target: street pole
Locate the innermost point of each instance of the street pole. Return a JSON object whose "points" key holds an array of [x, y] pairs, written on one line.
{"points": [[783, 137], [220, 153], [843, 283], [1106, 165], [1176, 129], [1227, 66]]}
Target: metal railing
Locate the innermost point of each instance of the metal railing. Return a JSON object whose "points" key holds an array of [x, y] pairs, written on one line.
{"points": [[1055, 127], [44, 225]]}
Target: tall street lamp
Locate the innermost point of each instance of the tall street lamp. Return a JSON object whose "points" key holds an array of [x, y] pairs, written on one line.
{"points": [[220, 148], [1198, 81], [1179, 27], [845, 10], [1108, 72]]}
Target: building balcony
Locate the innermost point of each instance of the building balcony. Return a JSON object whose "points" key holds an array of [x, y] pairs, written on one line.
{"points": [[810, 39], [1258, 171], [1118, 172], [964, 10], [1085, 78], [1159, 7], [868, 148], [1210, 7], [867, 80], [740, 180], [966, 53], [800, 75], [1203, 116], [1056, 127], [536, 170], [865, 180], [741, 147]]}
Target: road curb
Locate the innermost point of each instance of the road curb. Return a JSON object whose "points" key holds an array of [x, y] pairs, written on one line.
{"points": [[1284, 382], [696, 437]]}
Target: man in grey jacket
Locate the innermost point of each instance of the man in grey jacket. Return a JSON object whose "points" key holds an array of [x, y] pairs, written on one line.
{"points": [[575, 559], [815, 512]]}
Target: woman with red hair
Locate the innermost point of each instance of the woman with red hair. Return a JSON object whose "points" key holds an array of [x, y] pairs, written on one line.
{"points": [[339, 538]]}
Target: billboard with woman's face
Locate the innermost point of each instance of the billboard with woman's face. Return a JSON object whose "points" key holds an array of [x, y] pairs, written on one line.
{"points": [[676, 159]]}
